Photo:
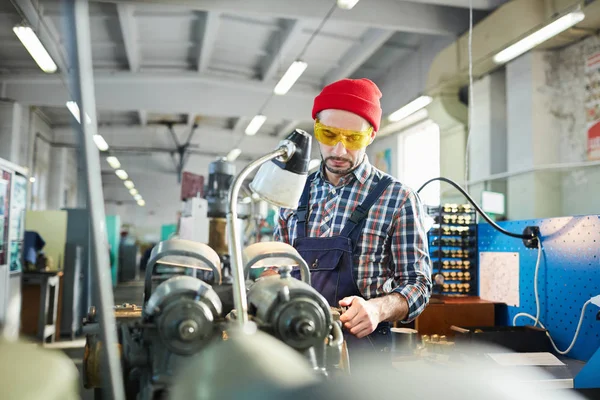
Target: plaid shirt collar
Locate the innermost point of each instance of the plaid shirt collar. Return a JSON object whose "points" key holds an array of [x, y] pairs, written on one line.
{"points": [[362, 173]]}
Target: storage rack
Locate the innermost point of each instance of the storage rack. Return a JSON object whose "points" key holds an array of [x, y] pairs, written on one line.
{"points": [[453, 249]]}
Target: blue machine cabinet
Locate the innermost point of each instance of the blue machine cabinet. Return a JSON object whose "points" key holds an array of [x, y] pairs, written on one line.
{"points": [[568, 276]]}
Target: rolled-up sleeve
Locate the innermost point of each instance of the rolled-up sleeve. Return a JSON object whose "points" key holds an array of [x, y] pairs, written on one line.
{"points": [[281, 233], [410, 256]]}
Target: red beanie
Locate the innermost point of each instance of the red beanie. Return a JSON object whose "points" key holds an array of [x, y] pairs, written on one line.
{"points": [[358, 96]]}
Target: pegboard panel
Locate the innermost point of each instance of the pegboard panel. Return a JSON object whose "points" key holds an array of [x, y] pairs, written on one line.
{"points": [[568, 276]]}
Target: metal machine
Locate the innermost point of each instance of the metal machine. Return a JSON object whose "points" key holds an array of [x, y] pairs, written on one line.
{"points": [[220, 178], [183, 315], [178, 318], [291, 309]]}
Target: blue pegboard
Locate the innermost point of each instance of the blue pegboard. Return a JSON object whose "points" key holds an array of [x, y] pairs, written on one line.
{"points": [[569, 275]]}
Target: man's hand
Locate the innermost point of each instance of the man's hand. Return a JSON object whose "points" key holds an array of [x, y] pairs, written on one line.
{"points": [[268, 272], [361, 318]]}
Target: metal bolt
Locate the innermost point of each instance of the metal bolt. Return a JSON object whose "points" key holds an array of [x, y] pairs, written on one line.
{"points": [[188, 329], [305, 327], [91, 316]]}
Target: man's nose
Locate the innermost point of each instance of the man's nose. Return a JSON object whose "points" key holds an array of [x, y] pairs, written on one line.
{"points": [[339, 149]]}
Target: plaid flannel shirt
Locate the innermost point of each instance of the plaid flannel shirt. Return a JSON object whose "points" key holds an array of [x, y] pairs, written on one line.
{"points": [[392, 252]]}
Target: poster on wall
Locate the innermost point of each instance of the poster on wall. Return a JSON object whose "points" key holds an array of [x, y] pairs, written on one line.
{"points": [[592, 105], [383, 161], [17, 222], [4, 215]]}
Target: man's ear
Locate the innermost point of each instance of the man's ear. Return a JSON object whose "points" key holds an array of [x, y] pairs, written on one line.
{"points": [[373, 135]]}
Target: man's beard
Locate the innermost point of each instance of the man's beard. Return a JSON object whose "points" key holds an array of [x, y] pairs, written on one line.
{"points": [[340, 171]]}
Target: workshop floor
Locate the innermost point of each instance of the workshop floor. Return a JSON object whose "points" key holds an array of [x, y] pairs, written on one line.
{"points": [[130, 292]]}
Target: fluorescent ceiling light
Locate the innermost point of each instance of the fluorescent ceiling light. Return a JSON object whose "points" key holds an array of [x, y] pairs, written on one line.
{"points": [[137, 197], [74, 108], [133, 191], [129, 184], [255, 124], [122, 174], [113, 162], [410, 108], [398, 126], [233, 154], [141, 202], [100, 143], [538, 37], [290, 77], [346, 4], [37, 50]]}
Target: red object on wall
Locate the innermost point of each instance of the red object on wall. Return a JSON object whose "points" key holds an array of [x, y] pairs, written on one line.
{"points": [[192, 185], [593, 142]]}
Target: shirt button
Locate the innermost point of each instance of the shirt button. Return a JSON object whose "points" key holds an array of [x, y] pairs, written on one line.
{"points": [[333, 191]]}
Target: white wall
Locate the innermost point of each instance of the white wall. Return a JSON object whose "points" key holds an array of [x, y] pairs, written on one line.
{"points": [[566, 86], [39, 161]]}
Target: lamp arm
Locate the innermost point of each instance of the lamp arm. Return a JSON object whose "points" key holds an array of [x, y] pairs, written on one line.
{"points": [[237, 266]]}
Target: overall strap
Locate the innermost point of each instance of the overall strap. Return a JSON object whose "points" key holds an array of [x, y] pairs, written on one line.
{"points": [[361, 212], [302, 210]]}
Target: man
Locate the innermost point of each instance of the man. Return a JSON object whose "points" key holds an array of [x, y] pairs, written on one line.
{"points": [[360, 231]]}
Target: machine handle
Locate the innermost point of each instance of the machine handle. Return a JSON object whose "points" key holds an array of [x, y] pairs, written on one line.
{"points": [[304, 270], [165, 249]]}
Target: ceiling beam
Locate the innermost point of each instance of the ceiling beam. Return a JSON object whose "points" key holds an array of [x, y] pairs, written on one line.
{"points": [[127, 91], [130, 37], [356, 56], [208, 38], [285, 40], [46, 32], [404, 16]]}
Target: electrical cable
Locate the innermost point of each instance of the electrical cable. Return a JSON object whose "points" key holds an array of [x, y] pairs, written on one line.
{"points": [[470, 99], [301, 54], [536, 319], [481, 212]]}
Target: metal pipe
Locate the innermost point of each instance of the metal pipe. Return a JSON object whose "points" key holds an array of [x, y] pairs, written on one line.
{"points": [[78, 14], [538, 168], [235, 252]]}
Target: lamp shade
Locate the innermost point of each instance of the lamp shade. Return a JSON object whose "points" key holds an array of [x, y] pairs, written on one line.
{"points": [[281, 182]]}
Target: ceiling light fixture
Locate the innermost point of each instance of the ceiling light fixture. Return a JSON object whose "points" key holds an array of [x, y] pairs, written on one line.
{"points": [[129, 184], [74, 108], [290, 77], [410, 108], [133, 191], [35, 48], [137, 197], [346, 4], [255, 124], [552, 29], [233, 154], [100, 143], [141, 202], [121, 174], [113, 162]]}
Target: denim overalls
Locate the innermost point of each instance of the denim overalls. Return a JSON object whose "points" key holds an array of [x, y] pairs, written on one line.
{"points": [[330, 260]]}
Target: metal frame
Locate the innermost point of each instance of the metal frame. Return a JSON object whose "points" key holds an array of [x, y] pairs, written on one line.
{"points": [[304, 270], [237, 264], [175, 248], [81, 85]]}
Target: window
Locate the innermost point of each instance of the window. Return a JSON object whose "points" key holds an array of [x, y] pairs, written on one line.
{"points": [[419, 159]]}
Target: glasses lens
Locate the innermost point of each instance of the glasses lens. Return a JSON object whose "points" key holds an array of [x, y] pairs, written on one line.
{"points": [[352, 140]]}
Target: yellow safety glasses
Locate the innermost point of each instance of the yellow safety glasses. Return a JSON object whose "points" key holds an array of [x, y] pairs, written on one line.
{"points": [[352, 140]]}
